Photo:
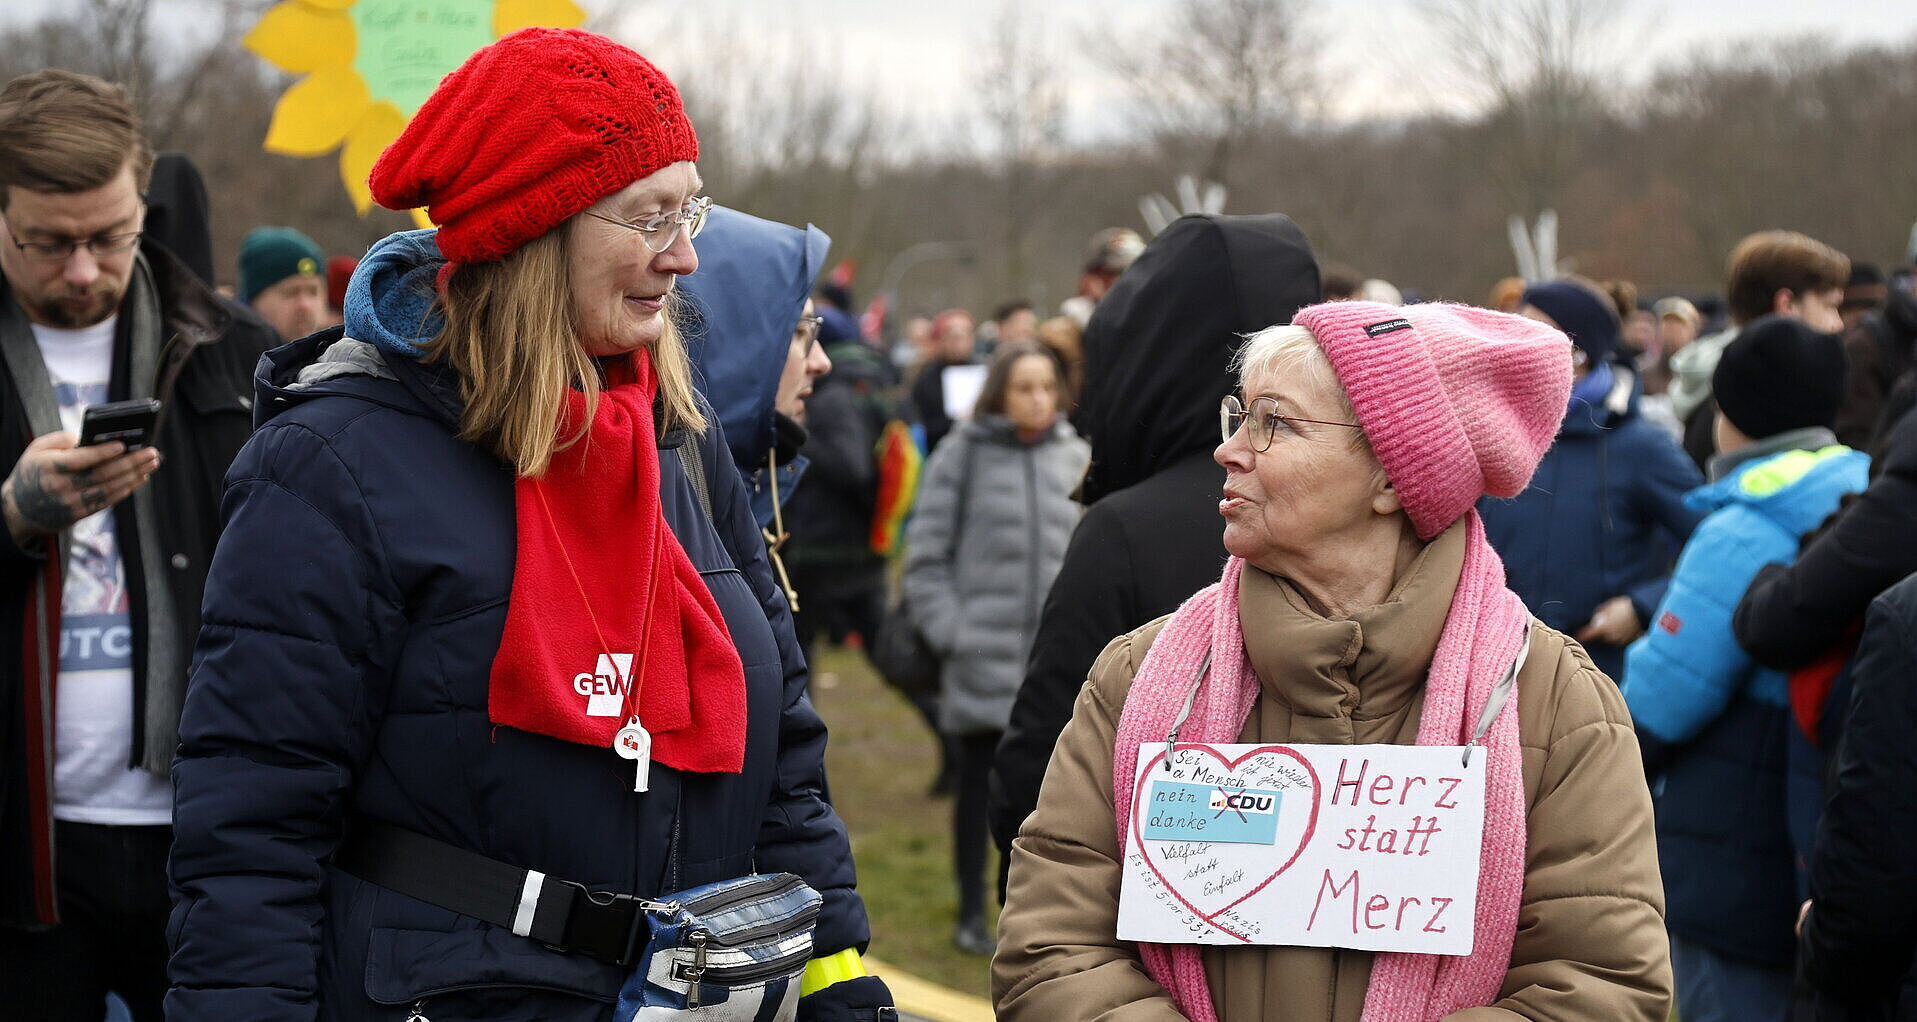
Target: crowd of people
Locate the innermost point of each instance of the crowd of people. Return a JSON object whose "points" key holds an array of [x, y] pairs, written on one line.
{"points": [[437, 644]]}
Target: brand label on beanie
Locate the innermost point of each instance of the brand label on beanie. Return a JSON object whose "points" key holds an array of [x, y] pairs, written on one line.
{"points": [[1388, 326]]}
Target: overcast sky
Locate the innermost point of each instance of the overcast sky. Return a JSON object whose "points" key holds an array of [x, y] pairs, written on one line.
{"points": [[921, 57], [1374, 48]]}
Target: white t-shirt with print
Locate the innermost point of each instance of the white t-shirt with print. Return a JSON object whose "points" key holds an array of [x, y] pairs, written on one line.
{"points": [[93, 707]]}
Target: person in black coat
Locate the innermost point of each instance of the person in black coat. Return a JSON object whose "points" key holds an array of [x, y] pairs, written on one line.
{"points": [[104, 553], [1158, 358], [492, 654], [1881, 345], [839, 577], [1858, 936], [1793, 615], [954, 332]]}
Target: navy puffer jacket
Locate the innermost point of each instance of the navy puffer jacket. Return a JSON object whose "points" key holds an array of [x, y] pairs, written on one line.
{"points": [[355, 604], [1604, 516]]}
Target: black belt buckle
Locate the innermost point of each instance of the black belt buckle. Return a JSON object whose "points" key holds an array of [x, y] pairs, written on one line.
{"points": [[601, 924]]}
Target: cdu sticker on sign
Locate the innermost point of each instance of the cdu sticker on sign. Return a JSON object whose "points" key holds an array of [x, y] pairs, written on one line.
{"points": [[1201, 812]]}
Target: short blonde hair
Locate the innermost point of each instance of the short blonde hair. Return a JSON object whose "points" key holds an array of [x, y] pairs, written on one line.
{"points": [[1291, 351], [511, 335]]}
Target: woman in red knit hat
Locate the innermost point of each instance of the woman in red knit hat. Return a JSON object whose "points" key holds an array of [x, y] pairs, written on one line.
{"points": [[492, 658]]}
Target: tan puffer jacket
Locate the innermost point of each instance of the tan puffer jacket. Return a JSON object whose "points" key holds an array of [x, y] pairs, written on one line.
{"points": [[1590, 943]]}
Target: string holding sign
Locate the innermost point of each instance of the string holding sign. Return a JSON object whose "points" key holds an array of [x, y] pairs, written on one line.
{"points": [[368, 65]]}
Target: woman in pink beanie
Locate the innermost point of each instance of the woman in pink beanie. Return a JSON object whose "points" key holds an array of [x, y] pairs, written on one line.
{"points": [[1362, 605]]}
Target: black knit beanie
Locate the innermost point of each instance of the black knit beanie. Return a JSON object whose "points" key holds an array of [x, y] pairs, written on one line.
{"points": [[1778, 375]]}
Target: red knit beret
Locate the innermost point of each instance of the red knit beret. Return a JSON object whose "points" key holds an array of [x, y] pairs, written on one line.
{"points": [[528, 132]]}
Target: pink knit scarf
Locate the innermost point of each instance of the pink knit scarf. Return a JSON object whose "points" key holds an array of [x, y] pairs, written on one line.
{"points": [[1483, 634]]}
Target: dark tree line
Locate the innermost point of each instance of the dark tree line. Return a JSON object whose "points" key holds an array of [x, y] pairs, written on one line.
{"points": [[1653, 182]]}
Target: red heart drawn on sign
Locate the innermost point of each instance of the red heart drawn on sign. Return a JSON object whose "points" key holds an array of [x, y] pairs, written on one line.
{"points": [[1145, 847]]}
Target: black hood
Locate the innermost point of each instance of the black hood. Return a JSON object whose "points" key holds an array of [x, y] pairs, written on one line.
{"points": [[1900, 310], [1159, 347], [176, 213]]}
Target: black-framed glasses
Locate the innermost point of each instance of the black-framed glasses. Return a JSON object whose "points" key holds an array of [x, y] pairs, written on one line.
{"points": [[807, 332], [660, 230], [1264, 419], [61, 251]]}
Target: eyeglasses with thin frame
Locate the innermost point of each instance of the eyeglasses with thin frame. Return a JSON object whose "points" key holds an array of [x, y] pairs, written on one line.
{"points": [[1265, 421], [61, 251], [807, 331], [660, 230]]}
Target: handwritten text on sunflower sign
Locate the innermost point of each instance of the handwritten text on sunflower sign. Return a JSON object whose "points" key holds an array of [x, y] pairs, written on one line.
{"points": [[1373, 847]]}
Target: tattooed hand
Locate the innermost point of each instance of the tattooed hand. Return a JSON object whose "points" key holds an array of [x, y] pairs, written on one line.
{"points": [[56, 483]]}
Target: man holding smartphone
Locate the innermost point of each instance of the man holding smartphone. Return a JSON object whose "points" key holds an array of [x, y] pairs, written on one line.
{"points": [[105, 550]]}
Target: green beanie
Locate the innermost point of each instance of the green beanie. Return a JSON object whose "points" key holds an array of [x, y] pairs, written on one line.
{"points": [[272, 254]]}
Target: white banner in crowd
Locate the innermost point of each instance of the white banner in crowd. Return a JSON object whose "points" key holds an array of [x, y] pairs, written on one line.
{"points": [[1371, 847], [961, 386]]}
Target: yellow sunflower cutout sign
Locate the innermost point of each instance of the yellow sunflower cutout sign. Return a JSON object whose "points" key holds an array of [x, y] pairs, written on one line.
{"points": [[370, 64]]}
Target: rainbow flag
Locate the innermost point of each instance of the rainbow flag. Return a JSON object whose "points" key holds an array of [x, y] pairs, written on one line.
{"points": [[899, 462]]}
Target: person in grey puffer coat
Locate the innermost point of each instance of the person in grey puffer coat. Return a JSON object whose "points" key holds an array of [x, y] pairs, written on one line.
{"points": [[994, 516]]}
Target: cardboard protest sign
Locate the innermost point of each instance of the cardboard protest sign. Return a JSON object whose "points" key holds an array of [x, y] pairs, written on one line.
{"points": [[1372, 847]]}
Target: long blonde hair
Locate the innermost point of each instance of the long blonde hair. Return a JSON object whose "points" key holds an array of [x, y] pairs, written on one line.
{"points": [[511, 335]]}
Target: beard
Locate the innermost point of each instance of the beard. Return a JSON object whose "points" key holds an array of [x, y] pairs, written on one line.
{"points": [[67, 309]]}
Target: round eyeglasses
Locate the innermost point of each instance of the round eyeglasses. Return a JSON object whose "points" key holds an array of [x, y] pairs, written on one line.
{"points": [[660, 230], [1264, 420]]}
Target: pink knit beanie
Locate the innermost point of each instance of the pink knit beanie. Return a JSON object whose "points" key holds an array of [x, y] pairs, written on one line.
{"points": [[1458, 402]]}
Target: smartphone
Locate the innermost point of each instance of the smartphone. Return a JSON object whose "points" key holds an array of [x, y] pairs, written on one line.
{"points": [[130, 422]]}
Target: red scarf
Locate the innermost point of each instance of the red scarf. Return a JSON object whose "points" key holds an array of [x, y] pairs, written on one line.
{"points": [[608, 617]]}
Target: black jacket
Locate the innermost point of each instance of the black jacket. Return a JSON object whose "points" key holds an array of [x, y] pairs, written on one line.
{"points": [[356, 604], [176, 213], [1792, 615], [927, 398], [1880, 348], [1859, 944], [830, 512], [212, 346], [1157, 362]]}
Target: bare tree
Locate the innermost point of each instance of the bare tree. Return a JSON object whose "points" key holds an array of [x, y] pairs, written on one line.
{"points": [[1217, 74], [1653, 182], [178, 94], [121, 30], [1022, 95], [1544, 71]]}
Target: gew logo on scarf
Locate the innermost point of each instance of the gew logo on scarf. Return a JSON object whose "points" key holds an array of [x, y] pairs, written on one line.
{"points": [[606, 687]]}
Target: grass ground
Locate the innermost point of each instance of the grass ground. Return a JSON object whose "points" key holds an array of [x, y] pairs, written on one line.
{"points": [[881, 761]]}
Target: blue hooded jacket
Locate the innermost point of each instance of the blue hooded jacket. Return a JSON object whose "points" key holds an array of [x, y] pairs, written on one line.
{"points": [[1604, 516], [1688, 666], [1715, 726], [353, 609], [742, 304]]}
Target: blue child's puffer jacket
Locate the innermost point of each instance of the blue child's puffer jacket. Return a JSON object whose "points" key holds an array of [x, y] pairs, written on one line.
{"points": [[1714, 725]]}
